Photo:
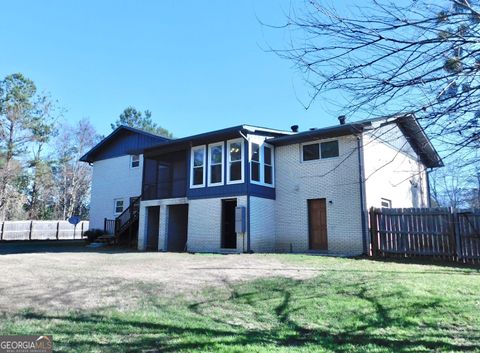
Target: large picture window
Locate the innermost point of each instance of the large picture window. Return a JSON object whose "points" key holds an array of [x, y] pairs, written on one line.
{"points": [[235, 161], [262, 164], [215, 152], [197, 170]]}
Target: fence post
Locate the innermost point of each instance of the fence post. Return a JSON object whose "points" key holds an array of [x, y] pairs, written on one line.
{"points": [[58, 230], [3, 228], [373, 232], [456, 234], [81, 231], [30, 232], [105, 225]]}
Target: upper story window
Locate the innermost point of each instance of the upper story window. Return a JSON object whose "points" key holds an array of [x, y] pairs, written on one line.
{"points": [[261, 164], [197, 170], [134, 161], [235, 161], [215, 175], [255, 162], [386, 203], [118, 206], [322, 150]]}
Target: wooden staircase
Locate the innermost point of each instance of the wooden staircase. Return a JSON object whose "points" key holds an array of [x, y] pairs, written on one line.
{"points": [[123, 230]]}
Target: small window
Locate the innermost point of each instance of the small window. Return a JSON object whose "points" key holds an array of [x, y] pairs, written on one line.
{"points": [[216, 164], [311, 152], [268, 165], [135, 161], [118, 206], [329, 149], [235, 161], [255, 162], [386, 203], [198, 166]]}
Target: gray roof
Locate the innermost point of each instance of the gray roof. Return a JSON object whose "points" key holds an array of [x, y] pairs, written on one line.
{"points": [[407, 123]]}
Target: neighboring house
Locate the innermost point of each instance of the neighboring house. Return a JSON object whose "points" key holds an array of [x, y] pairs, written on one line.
{"points": [[247, 188], [117, 163]]}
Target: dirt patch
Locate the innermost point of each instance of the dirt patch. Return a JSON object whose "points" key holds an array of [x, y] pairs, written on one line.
{"points": [[78, 281]]}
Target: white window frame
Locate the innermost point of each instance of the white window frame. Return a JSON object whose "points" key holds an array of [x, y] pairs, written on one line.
{"points": [[242, 161], [382, 200], [131, 161], [222, 163], [319, 143], [192, 154], [115, 206], [272, 165], [262, 163]]}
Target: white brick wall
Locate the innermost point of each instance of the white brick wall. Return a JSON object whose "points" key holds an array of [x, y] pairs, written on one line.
{"points": [[335, 179], [112, 179], [204, 225], [262, 226], [390, 166], [163, 226]]}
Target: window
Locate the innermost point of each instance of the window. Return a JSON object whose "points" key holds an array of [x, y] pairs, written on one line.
{"points": [[261, 164], [197, 170], [386, 203], [329, 149], [311, 152], [323, 150], [216, 164], [235, 161], [268, 165], [134, 161], [255, 162], [118, 206]]}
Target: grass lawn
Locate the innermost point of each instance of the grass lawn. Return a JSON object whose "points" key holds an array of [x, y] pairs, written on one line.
{"points": [[344, 305]]}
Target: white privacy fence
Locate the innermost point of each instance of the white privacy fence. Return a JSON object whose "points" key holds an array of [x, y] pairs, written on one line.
{"points": [[41, 230]]}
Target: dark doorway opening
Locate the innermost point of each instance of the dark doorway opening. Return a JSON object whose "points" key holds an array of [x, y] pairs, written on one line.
{"points": [[177, 228], [153, 227], [229, 236], [317, 224]]}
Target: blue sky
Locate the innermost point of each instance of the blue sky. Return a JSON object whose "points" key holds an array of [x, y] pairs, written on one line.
{"points": [[197, 65]]}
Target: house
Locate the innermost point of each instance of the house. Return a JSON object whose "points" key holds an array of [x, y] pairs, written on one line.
{"points": [[117, 164], [248, 188]]}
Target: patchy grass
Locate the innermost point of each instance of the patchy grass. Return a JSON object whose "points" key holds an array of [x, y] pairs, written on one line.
{"points": [[347, 306]]}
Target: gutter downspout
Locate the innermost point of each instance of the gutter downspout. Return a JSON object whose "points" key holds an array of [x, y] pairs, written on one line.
{"points": [[427, 176], [247, 182], [363, 201]]}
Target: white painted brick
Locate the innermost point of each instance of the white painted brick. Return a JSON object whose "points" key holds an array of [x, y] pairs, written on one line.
{"points": [[112, 179], [337, 180], [262, 224], [390, 165]]}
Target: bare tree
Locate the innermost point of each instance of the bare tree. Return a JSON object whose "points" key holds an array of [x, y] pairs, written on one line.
{"points": [[421, 57], [73, 177]]}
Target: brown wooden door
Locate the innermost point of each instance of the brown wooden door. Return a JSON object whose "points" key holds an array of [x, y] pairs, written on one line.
{"points": [[317, 224]]}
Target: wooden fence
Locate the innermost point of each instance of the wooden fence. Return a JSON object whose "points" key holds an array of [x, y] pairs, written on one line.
{"points": [[444, 233], [41, 230]]}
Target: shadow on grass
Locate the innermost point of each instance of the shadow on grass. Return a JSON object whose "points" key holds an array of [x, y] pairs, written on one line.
{"points": [[282, 315]]}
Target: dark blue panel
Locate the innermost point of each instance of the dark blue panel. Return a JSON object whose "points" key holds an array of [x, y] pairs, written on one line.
{"points": [[261, 191], [124, 143]]}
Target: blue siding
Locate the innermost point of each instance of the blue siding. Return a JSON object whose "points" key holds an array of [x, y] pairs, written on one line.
{"points": [[126, 142]]}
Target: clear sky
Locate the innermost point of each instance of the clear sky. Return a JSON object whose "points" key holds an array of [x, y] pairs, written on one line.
{"points": [[197, 65]]}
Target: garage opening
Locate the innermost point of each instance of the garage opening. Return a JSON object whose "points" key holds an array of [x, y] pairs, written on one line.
{"points": [[153, 227], [177, 228], [229, 236]]}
